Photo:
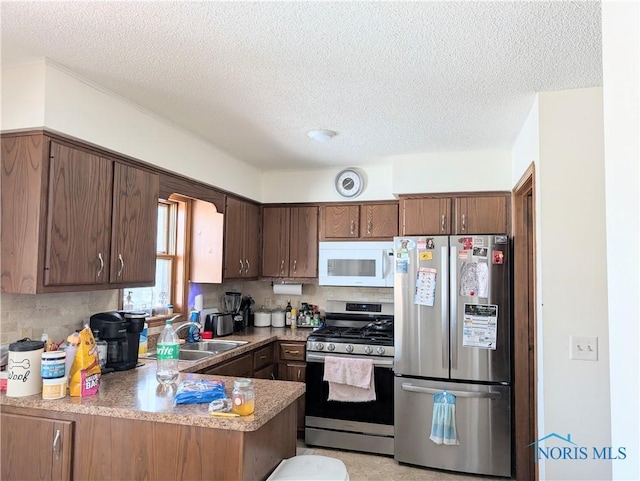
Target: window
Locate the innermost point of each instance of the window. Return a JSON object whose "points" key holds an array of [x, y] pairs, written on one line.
{"points": [[171, 256]]}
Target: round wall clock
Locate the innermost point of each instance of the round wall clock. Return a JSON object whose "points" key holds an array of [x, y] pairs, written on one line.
{"points": [[349, 182]]}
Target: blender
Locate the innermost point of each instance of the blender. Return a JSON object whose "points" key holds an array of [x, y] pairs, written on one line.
{"points": [[232, 301]]}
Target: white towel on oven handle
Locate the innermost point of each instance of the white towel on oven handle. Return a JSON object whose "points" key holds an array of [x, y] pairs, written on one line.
{"points": [[350, 379]]}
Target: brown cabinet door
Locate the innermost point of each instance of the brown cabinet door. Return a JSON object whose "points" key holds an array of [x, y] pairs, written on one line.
{"points": [[79, 218], [340, 221], [241, 366], [296, 371], [135, 221], [481, 215], [265, 373], [36, 448], [275, 240], [262, 357], [252, 242], [379, 221], [291, 351], [234, 239], [303, 251], [426, 216]]}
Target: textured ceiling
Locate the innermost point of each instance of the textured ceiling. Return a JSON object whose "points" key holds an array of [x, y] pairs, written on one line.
{"points": [[253, 77]]}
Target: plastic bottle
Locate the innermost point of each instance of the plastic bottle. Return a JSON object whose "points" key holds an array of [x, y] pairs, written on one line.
{"points": [[167, 352]]}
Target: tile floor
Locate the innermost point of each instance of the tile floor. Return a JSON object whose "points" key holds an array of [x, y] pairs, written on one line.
{"points": [[369, 467]]}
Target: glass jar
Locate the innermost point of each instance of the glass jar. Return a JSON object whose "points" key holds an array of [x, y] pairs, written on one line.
{"points": [[243, 397]]}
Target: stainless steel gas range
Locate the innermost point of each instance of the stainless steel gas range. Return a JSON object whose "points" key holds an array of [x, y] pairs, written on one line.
{"points": [[360, 330]]}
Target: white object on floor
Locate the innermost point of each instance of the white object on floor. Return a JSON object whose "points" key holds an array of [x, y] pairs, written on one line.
{"points": [[310, 468]]}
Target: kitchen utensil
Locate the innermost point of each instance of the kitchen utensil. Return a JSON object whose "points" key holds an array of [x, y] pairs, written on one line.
{"points": [[231, 301]]}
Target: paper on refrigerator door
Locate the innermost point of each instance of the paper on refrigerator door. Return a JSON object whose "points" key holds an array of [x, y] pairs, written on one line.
{"points": [[425, 287], [480, 326], [474, 279]]}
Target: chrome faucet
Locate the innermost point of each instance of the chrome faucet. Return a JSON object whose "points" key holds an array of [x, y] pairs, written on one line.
{"points": [[191, 336]]}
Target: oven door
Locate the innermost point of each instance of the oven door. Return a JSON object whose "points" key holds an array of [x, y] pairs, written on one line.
{"points": [[379, 411]]}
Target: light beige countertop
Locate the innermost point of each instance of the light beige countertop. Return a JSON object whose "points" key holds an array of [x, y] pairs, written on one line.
{"points": [[136, 394]]}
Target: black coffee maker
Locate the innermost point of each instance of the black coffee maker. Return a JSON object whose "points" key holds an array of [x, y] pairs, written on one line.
{"points": [[121, 330]]}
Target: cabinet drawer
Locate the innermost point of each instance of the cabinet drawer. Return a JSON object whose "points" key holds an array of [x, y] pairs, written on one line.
{"points": [[291, 351], [239, 367], [262, 357]]}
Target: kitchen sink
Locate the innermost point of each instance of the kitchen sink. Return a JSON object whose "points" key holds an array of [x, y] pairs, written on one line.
{"points": [[195, 351], [215, 346]]}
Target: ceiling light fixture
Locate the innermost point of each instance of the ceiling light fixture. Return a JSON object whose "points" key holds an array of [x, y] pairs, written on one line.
{"points": [[322, 135]]}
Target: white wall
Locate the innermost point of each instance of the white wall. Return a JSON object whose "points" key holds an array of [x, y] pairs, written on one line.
{"points": [[620, 22], [452, 172], [526, 148], [75, 107], [572, 251], [23, 90], [318, 185]]}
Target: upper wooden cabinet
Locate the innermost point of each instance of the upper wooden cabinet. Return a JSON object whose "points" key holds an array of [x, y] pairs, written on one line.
{"points": [[290, 241], [359, 221], [482, 214], [241, 239], [207, 226], [73, 219], [464, 214]]}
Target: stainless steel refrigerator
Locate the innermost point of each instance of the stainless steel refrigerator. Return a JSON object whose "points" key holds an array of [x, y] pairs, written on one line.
{"points": [[453, 334]]}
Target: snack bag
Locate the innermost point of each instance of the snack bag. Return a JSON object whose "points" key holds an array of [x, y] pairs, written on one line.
{"points": [[84, 377]]}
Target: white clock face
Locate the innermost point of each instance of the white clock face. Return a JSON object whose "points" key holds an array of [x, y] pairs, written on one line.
{"points": [[349, 183]]}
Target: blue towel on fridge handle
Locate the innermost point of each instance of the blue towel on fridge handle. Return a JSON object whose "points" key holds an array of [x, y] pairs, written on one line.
{"points": [[443, 424]]}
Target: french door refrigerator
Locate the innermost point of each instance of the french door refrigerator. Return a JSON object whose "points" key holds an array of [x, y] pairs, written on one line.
{"points": [[452, 333]]}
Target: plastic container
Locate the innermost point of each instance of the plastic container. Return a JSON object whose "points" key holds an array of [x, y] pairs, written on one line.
{"points": [[53, 364], [262, 317], [168, 351], [243, 397], [143, 345], [54, 388]]}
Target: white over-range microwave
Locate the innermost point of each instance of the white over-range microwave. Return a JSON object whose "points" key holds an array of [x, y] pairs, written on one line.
{"points": [[355, 263]]}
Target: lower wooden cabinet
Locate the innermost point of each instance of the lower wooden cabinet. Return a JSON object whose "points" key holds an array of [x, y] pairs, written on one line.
{"points": [[36, 448], [257, 363], [293, 367]]}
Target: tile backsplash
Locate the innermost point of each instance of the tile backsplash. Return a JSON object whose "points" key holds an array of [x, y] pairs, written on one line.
{"points": [[58, 315], [28, 315]]}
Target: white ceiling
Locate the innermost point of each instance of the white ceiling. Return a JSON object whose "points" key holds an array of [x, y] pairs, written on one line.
{"points": [[252, 78]]}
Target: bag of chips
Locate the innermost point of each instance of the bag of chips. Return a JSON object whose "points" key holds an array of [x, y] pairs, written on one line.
{"points": [[84, 376]]}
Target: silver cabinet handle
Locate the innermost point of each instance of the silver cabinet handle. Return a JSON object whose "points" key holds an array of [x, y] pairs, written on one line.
{"points": [[295, 262], [369, 227], [292, 352], [248, 266], [101, 264], [352, 229], [443, 223], [464, 222], [121, 264], [57, 445], [427, 390], [298, 374], [281, 266], [241, 267]]}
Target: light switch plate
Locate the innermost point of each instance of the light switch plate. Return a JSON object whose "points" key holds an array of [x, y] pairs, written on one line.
{"points": [[584, 348]]}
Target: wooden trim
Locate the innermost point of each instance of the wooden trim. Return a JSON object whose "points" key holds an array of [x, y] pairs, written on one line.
{"points": [[525, 318]]}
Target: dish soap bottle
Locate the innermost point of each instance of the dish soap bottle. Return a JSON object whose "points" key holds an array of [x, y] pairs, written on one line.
{"points": [[167, 352]]}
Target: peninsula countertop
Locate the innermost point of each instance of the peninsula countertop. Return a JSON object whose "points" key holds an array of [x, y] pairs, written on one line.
{"points": [[136, 394]]}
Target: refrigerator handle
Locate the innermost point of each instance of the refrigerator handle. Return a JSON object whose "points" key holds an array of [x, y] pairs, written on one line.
{"points": [[427, 390], [444, 312], [453, 305]]}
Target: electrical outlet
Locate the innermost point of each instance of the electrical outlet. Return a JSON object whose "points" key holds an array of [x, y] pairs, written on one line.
{"points": [[584, 348]]}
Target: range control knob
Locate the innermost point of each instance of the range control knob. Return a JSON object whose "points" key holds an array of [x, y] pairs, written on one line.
{"points": [[349, 348], [368, 350], [331, 347], [380, 350], [319, 346]]}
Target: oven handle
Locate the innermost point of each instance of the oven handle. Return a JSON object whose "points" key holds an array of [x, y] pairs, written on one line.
{"points": [[376, 362], [428, 390]]}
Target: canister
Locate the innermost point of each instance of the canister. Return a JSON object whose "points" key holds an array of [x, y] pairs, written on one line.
{"points": [[277, 317], [262, 317], [23, 366]]}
